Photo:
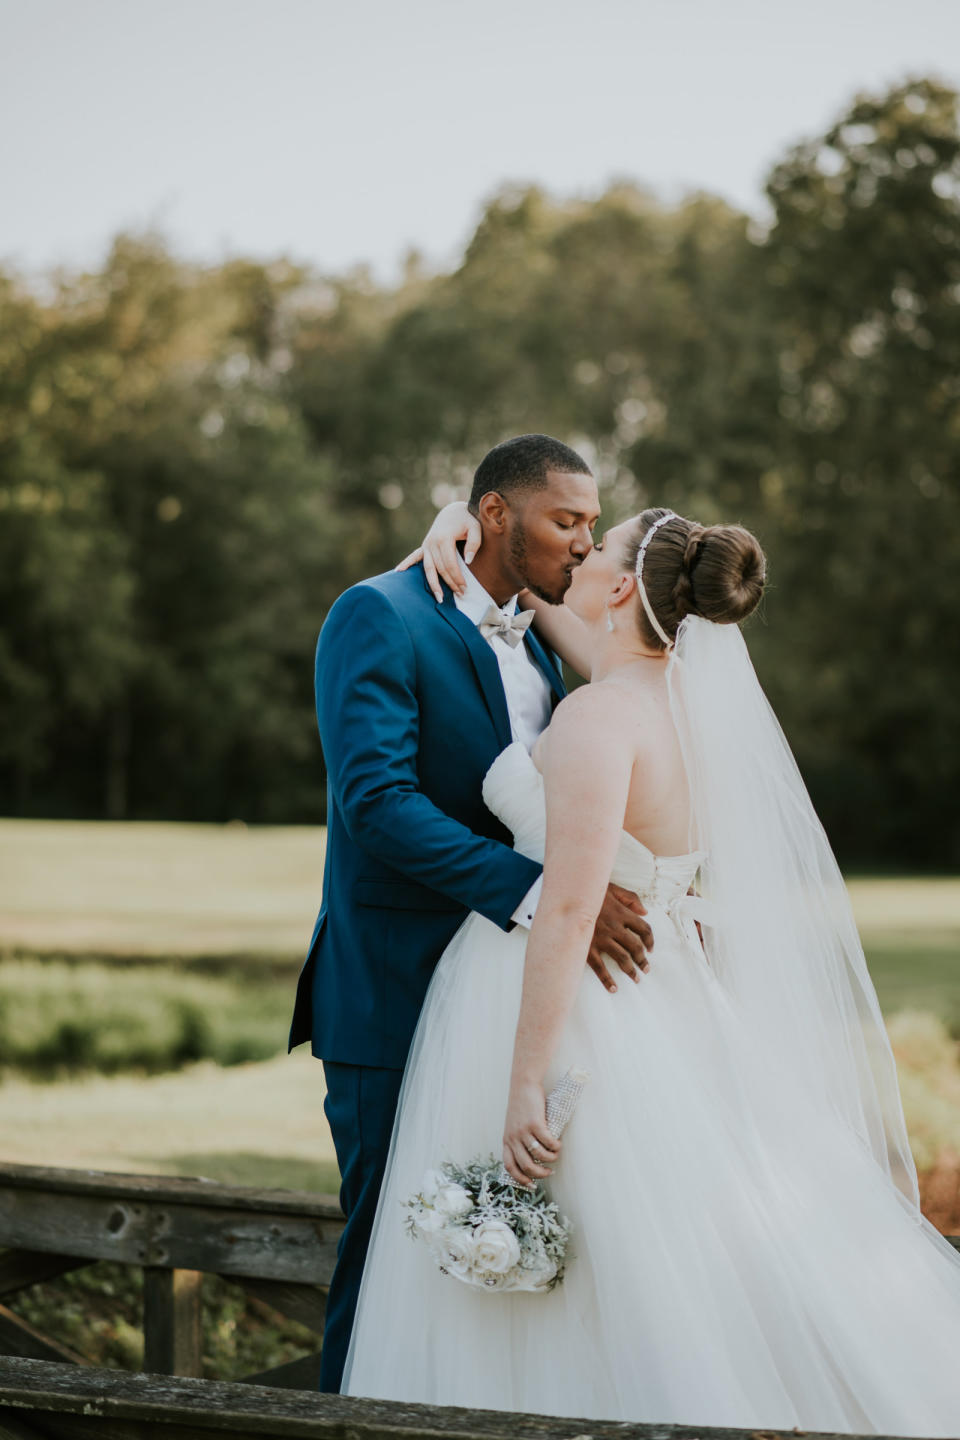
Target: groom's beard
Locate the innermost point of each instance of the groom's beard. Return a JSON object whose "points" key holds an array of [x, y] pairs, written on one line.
{"points": [[520, 559]]}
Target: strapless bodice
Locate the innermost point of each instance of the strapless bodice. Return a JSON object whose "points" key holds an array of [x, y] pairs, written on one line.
{"points": [[513, 790]]}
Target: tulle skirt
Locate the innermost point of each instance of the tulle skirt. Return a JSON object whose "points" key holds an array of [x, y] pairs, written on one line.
{"points": [[737, 1258]]}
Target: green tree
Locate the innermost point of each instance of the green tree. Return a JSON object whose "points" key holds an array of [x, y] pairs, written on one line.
{"points": [[863, 266], [195, 461]]}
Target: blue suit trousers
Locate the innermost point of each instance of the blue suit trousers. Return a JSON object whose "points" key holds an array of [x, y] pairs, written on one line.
{"points": [[360, 1107]]}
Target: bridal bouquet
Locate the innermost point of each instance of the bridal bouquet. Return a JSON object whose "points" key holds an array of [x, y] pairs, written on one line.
{"points": [[483, 1228]]}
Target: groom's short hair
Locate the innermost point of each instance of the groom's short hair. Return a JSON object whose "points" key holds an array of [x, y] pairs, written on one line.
{"points": [[522, 464]]}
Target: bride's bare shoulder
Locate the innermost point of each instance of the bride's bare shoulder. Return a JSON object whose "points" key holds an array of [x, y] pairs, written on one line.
{"points": [[626, 723], [592, 714], [587, 757]]}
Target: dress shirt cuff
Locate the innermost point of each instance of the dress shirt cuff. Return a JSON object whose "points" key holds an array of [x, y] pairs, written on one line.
{"points": [[525, 911]]}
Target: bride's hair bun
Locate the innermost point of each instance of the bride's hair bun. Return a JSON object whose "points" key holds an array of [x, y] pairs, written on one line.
{"points": [[716, 571], [723, 573]]}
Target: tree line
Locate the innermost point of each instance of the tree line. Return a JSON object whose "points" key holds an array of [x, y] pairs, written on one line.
{"points": [[195, 460]]}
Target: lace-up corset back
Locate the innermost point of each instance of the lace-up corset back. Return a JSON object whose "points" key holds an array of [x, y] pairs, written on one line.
{"points": [[513, 790]]}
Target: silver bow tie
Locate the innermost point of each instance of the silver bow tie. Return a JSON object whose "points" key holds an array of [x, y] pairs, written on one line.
{"points": [[511, 628]]}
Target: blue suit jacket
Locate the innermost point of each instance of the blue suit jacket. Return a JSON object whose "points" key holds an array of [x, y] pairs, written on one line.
{"points": [[412, 713]]}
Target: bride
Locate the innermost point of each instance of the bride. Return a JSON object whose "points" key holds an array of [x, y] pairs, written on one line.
{"points": [[748, 1248]]}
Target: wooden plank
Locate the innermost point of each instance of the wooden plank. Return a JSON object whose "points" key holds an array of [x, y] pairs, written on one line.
{"points": [[207, 1408], [172, 1343], [19, 1337], [80, 1427], [13, 1429], [19, 1269], [302, 1374], [89, 1427], [264, 1245], [170, 1190], [307, 1304]]}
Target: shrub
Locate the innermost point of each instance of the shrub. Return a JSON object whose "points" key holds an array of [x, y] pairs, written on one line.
{"points": [[60, 1018]]}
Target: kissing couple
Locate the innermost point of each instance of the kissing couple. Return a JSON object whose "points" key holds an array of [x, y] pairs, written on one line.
{"points": [[631, 880]]}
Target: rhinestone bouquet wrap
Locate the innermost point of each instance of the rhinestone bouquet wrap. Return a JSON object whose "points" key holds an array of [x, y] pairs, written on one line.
{"points": [[485, 1230]]}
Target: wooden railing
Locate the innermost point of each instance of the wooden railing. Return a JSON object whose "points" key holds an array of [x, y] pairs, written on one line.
{"points": [[279, 1245], [64, 1402]]}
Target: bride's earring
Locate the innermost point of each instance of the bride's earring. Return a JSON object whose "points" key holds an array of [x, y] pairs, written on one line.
{"points": [[610, 626]]}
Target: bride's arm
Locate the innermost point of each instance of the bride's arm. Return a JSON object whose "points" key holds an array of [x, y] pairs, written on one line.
{"points": [[562, 630], [438, 548], [586, 785]]}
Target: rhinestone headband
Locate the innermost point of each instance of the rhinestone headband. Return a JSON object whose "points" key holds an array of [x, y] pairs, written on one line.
{"points": [[670, 515]]}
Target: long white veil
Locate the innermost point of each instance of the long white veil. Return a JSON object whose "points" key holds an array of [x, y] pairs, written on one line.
{"points": [[783, 941]]}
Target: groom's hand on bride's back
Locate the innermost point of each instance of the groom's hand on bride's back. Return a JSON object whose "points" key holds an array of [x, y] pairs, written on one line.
{"points": [[622, 934]]}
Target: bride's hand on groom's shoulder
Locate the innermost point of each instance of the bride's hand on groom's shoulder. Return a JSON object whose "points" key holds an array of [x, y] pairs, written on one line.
{"points": [[438, 550], [526, 1140]]}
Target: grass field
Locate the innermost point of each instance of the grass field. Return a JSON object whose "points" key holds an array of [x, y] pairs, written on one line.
{"points": [[217, 918], [256, 1124], [911, 933], [145, 889]]}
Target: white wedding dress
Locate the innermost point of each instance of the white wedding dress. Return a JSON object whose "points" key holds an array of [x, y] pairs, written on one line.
{"points": [[738, 1259]]}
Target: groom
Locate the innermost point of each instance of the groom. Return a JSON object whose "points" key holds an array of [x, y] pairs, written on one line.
{"points": [[415, 700]]}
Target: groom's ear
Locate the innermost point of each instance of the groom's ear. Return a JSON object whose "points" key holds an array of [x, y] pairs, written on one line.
{"points": [[492, 512]]}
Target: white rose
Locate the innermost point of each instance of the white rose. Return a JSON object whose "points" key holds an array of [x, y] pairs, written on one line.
{"points": [[454, 1252], [495, 1247], [427, 1221], [452, 1199], [431, 1184]]}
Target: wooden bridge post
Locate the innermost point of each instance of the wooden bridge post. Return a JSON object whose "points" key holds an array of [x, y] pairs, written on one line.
{"points": [[172, 1340]]}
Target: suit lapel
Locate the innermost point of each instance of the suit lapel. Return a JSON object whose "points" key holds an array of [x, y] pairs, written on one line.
{"points": [[543, 657], [484, 663]]}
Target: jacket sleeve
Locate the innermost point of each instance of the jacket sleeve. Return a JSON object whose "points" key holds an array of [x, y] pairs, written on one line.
{"points": [[368, 714]]}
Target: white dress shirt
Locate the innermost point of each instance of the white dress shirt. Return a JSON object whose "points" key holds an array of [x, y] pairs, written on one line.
{"points": [[527, 692]]}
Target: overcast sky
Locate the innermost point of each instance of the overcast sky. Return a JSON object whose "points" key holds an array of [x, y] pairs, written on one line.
{"points": [[340, 131]]}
